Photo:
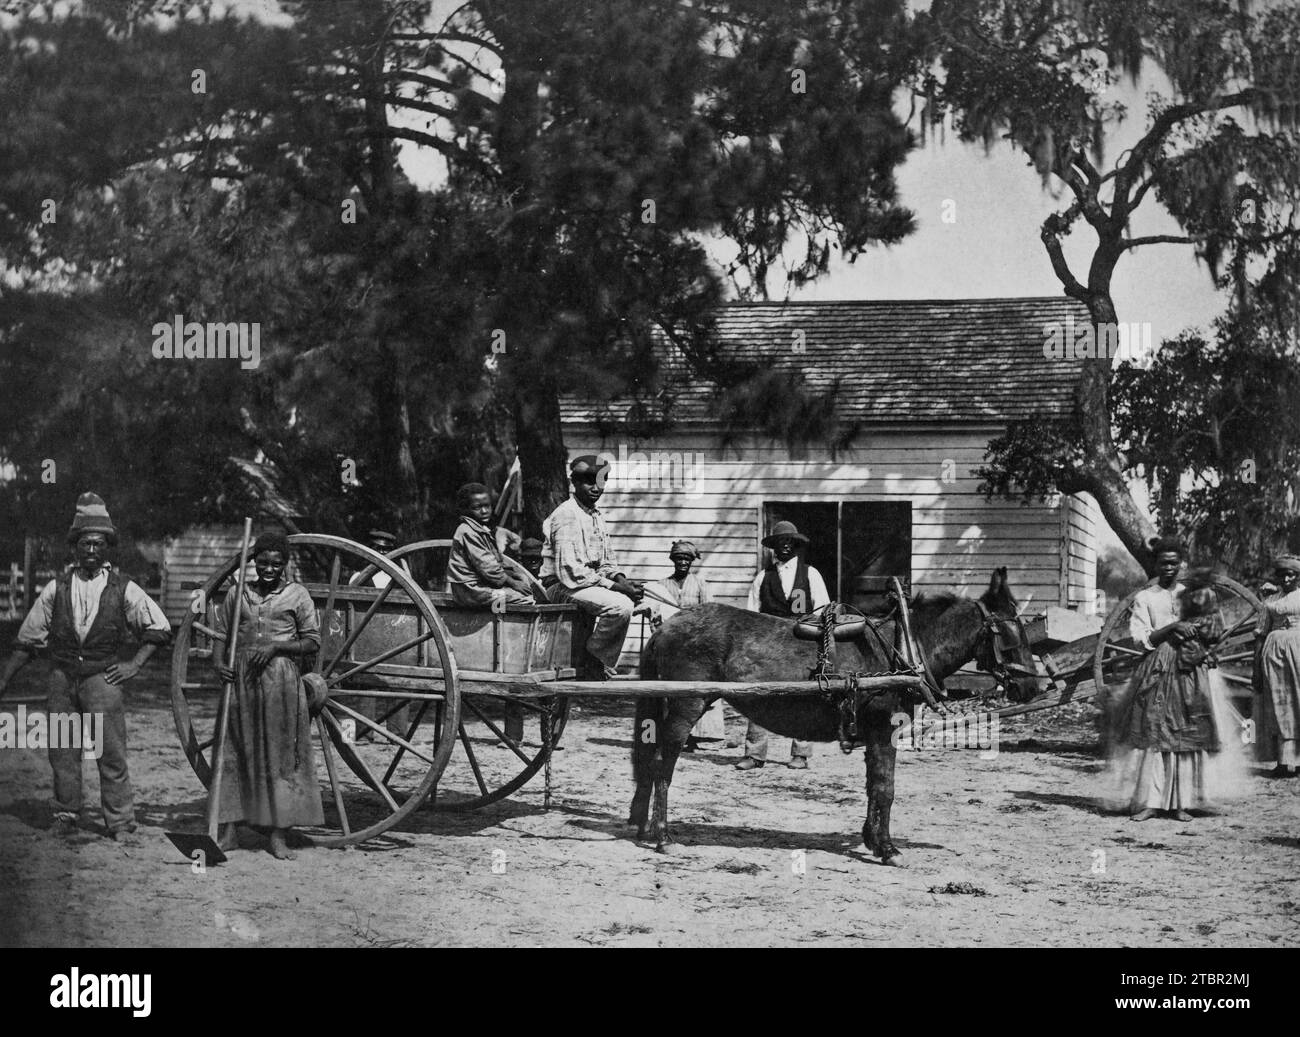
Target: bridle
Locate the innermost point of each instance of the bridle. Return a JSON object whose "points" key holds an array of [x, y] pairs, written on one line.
{"points": [[999, 635], [906, 655]]}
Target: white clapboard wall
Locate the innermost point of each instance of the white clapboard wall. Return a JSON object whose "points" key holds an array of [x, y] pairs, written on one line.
{"points": [[958, 537], [188, 561]]}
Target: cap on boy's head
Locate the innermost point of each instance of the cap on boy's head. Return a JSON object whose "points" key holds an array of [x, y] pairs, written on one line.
{"points": [[467, 492], [589, 467], [91, 517], [382, 536], [530, 548]]}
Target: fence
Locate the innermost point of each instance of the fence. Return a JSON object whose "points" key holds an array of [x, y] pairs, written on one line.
{"points": [[12, 600]]}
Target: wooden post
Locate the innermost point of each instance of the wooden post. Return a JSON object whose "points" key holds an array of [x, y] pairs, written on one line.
{"points": [[29, 573]]}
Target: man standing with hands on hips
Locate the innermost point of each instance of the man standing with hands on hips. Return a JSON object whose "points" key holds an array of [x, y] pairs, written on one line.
{"points": [[788, 587], [578, 566], [82, 617]]}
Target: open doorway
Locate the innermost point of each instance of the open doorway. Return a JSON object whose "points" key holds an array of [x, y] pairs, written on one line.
{"points": [[855, 545]]}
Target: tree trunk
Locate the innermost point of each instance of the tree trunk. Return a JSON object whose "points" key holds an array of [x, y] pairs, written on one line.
{"points": [[542, 454], [534, 389], [1102, 466]]}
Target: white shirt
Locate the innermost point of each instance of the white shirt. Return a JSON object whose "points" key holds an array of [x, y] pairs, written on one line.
{"points": [[785, 571], [1153, 608], [142, 612]]}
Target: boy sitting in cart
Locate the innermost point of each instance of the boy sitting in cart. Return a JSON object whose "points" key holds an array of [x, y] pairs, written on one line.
{"points": [[481, 576]]}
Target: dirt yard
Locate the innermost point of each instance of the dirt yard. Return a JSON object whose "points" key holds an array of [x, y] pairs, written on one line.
{"points": [[1008, 851]]}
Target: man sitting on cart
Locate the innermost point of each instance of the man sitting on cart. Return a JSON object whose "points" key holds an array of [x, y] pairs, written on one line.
{"points": [[579, 566]]}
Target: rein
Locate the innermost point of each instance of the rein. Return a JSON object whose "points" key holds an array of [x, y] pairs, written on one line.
{"points": [[1003, 671], [842, 688]]}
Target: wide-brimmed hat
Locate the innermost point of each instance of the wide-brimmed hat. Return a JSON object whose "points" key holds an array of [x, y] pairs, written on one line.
{"points": [[683, 547], [91, 517], [1287, 563], [782, 530]]}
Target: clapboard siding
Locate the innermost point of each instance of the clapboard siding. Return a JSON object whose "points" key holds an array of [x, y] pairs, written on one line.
{"points": [[188, 561], [715, 499], [1084, 517]]}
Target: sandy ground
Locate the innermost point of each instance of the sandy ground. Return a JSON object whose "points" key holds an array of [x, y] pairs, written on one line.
{"points": [[1007, 851]]}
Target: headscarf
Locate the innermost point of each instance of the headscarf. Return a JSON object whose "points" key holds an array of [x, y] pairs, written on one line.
{"points": [[684, 547]]}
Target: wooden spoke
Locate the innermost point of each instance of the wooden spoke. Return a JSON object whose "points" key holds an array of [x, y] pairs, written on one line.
{"points": [[335, 568], [356, 631], [1236, 678], [1121, 650], [1236, 656], [365, 614], [514, 747], [1237, 628], [368, 775], [473, 761], [401, 751], [327, 751], [406, 646], [379, 729]]}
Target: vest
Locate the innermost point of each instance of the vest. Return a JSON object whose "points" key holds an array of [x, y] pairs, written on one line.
{"points": [[772, 600], [99, 650]]}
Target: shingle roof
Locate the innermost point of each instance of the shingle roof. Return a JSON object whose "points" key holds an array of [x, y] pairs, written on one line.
{"points": [[978, 360]]}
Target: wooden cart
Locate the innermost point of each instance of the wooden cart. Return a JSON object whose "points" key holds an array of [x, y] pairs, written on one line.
{"points": [[410, 677]]}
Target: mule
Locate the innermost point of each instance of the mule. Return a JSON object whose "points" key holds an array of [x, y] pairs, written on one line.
{"points": [[716, 642]]}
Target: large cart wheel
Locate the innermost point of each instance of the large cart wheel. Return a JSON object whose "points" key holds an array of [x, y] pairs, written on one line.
{"points": [[1117, 656], [394, 695], [496, 763]]}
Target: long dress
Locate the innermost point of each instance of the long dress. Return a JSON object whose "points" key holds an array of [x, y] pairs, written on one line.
{"points": [[270, 775], [1170, 720], [1278, 704], [694, 590]]}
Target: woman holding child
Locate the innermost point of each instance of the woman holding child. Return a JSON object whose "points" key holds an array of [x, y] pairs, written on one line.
{"points": [[1169, 724]]}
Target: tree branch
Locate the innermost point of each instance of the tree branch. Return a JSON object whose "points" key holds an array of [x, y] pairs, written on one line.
{"points": [[1055, 225], [1160, 239], [455, 37], [452, 151]]}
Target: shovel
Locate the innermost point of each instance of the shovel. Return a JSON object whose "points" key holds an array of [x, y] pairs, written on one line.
{"points": [[189, 842]]}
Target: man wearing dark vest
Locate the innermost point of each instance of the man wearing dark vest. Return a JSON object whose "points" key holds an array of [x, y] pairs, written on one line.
{"points": [[788, 587], [81, 619]]}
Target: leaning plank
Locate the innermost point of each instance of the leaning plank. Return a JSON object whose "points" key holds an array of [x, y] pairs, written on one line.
{"points": [[682, 689]]}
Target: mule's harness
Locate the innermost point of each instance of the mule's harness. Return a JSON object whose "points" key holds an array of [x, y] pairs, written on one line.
{"points": [[842, 689]]}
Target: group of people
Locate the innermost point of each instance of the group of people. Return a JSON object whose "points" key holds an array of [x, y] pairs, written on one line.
{"points": [[577, 564], [1173, 738], [1170, 726]]}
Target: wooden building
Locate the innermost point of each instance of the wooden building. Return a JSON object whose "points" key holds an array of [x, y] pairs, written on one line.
{"points": [[928, 384]]}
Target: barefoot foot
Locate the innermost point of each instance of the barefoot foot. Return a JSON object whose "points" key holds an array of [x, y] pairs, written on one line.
{"points": [[1143, 815], [1181, 815], [280, 848]]}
